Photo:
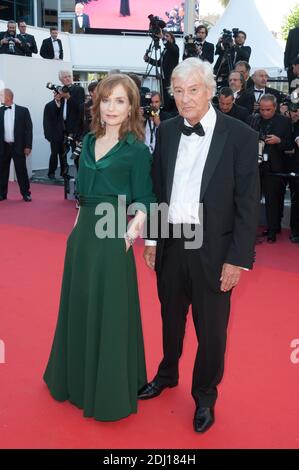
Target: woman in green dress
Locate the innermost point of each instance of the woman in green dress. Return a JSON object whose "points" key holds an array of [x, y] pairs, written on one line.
{"points": [[97, 359]]}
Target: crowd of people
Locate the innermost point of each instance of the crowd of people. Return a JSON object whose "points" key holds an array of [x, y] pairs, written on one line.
{"points": [[216, 149]]}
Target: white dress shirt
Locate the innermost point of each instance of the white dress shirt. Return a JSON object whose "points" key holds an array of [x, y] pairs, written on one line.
{"points": [[9, 124], [80, 21], [191, 158], [258, 94], [56, 49]]}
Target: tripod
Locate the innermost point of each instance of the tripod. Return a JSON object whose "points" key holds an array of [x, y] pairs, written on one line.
{"points": [[227, 59], [154, 61]]}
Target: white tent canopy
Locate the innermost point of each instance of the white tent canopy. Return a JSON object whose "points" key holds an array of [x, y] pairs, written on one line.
{"points": [[266, 52]]}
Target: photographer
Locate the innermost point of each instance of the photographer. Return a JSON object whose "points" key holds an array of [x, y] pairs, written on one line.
{"points": [[198, 46], [62, 123], [226, 104], [292, 166], [9, 42], [168, 61], [27, 40], [242, 97], [153, 115], [275, 138], [231, 49], [76, 92]]}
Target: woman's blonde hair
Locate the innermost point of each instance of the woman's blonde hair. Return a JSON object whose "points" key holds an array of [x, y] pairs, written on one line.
{"points": [[134, 122]]}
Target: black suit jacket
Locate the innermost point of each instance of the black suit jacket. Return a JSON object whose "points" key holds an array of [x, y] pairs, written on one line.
{"points": [[54, 126], [292, 47], [47, 50], [229, 192], [28, 39], [22, 129], [85, 24], [245, 99], [78, 94], [4, 49], [207, 53], [239, 112]]}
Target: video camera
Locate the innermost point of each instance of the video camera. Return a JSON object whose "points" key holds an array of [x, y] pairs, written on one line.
{"points": [[57, 88], [190, 46], [227, 37], [155, 26], [11, 43], [292, 101]]}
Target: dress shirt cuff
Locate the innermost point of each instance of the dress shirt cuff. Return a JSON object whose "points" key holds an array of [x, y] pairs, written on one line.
{"points": [[244, 269], [150, 243]]}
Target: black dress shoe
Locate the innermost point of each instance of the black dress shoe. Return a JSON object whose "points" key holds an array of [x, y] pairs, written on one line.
{"points": [[51, 176], [2, 198], [271, 238], [152, 390], [203, 418], [27, 198]]}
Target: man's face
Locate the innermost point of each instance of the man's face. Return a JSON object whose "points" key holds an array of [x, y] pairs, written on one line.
{"points": [[6, 98], [201, 34], [294, 115], [242, 69], [167, 37], [11, 28], [79, 9], [267, 109], [192, 97], [226, 103], [22, 27], [66, 79], [54, 34], [260, 78], [296, 69], [156, 102], [240, 39], [235, 81]]}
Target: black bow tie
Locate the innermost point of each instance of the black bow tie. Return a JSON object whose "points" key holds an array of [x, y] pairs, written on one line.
{"points": [[6, 107], [197, 129], [55, 40], [258, 91]]}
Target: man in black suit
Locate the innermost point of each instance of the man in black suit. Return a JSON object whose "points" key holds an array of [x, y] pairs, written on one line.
{"points": [[230, 52], [153, 118], [168, 61], [275, 138], [76, 91], [226, 104], [242, 96], [291, 52], [52, 47], [200, 159], [15, 143], [82, 19], [204, 49], [9, 42], [27, 40], [260, 79], [62, 118], [244, 68]]}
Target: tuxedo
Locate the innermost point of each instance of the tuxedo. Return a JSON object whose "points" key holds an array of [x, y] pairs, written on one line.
{"points": [[85, 23], [47, 50], [22, 137], [229, 192], [291, 52], [28, 39], [207, 52], [245, 99], [266, 91]]}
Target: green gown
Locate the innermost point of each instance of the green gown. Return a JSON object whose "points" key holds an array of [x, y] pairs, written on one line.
{"points": [[97, 359]]}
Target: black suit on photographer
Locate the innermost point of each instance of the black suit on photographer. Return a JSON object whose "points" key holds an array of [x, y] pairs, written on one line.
{"points": [[61, 120], [27, 40], [153, 115], [168, 61], [198, 46], [230, 52], [9, 42], [275, 138]]}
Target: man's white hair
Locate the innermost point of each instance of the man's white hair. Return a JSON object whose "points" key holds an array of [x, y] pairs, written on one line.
{"points": [[64, 72], [198, 67]]}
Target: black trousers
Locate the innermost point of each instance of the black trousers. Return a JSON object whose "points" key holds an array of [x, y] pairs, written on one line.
{"points": [[57, 149], [181, 283], [294, 190], [273, 188], [20, 167]]}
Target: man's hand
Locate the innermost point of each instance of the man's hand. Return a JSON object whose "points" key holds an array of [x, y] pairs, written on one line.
{"points": [[27, 152], [17, 41], [4, 41], [149, 255], [230, 277], [272, 139], [66, 96]]}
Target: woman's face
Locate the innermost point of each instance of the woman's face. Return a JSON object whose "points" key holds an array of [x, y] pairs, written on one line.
{"points": [[116, 107]]}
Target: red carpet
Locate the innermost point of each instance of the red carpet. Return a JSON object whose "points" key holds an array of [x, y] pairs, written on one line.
{"points": [[105, 13], [258, 404]]}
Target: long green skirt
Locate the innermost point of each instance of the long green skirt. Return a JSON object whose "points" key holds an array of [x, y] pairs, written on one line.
{"points": [[97, 360]]}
